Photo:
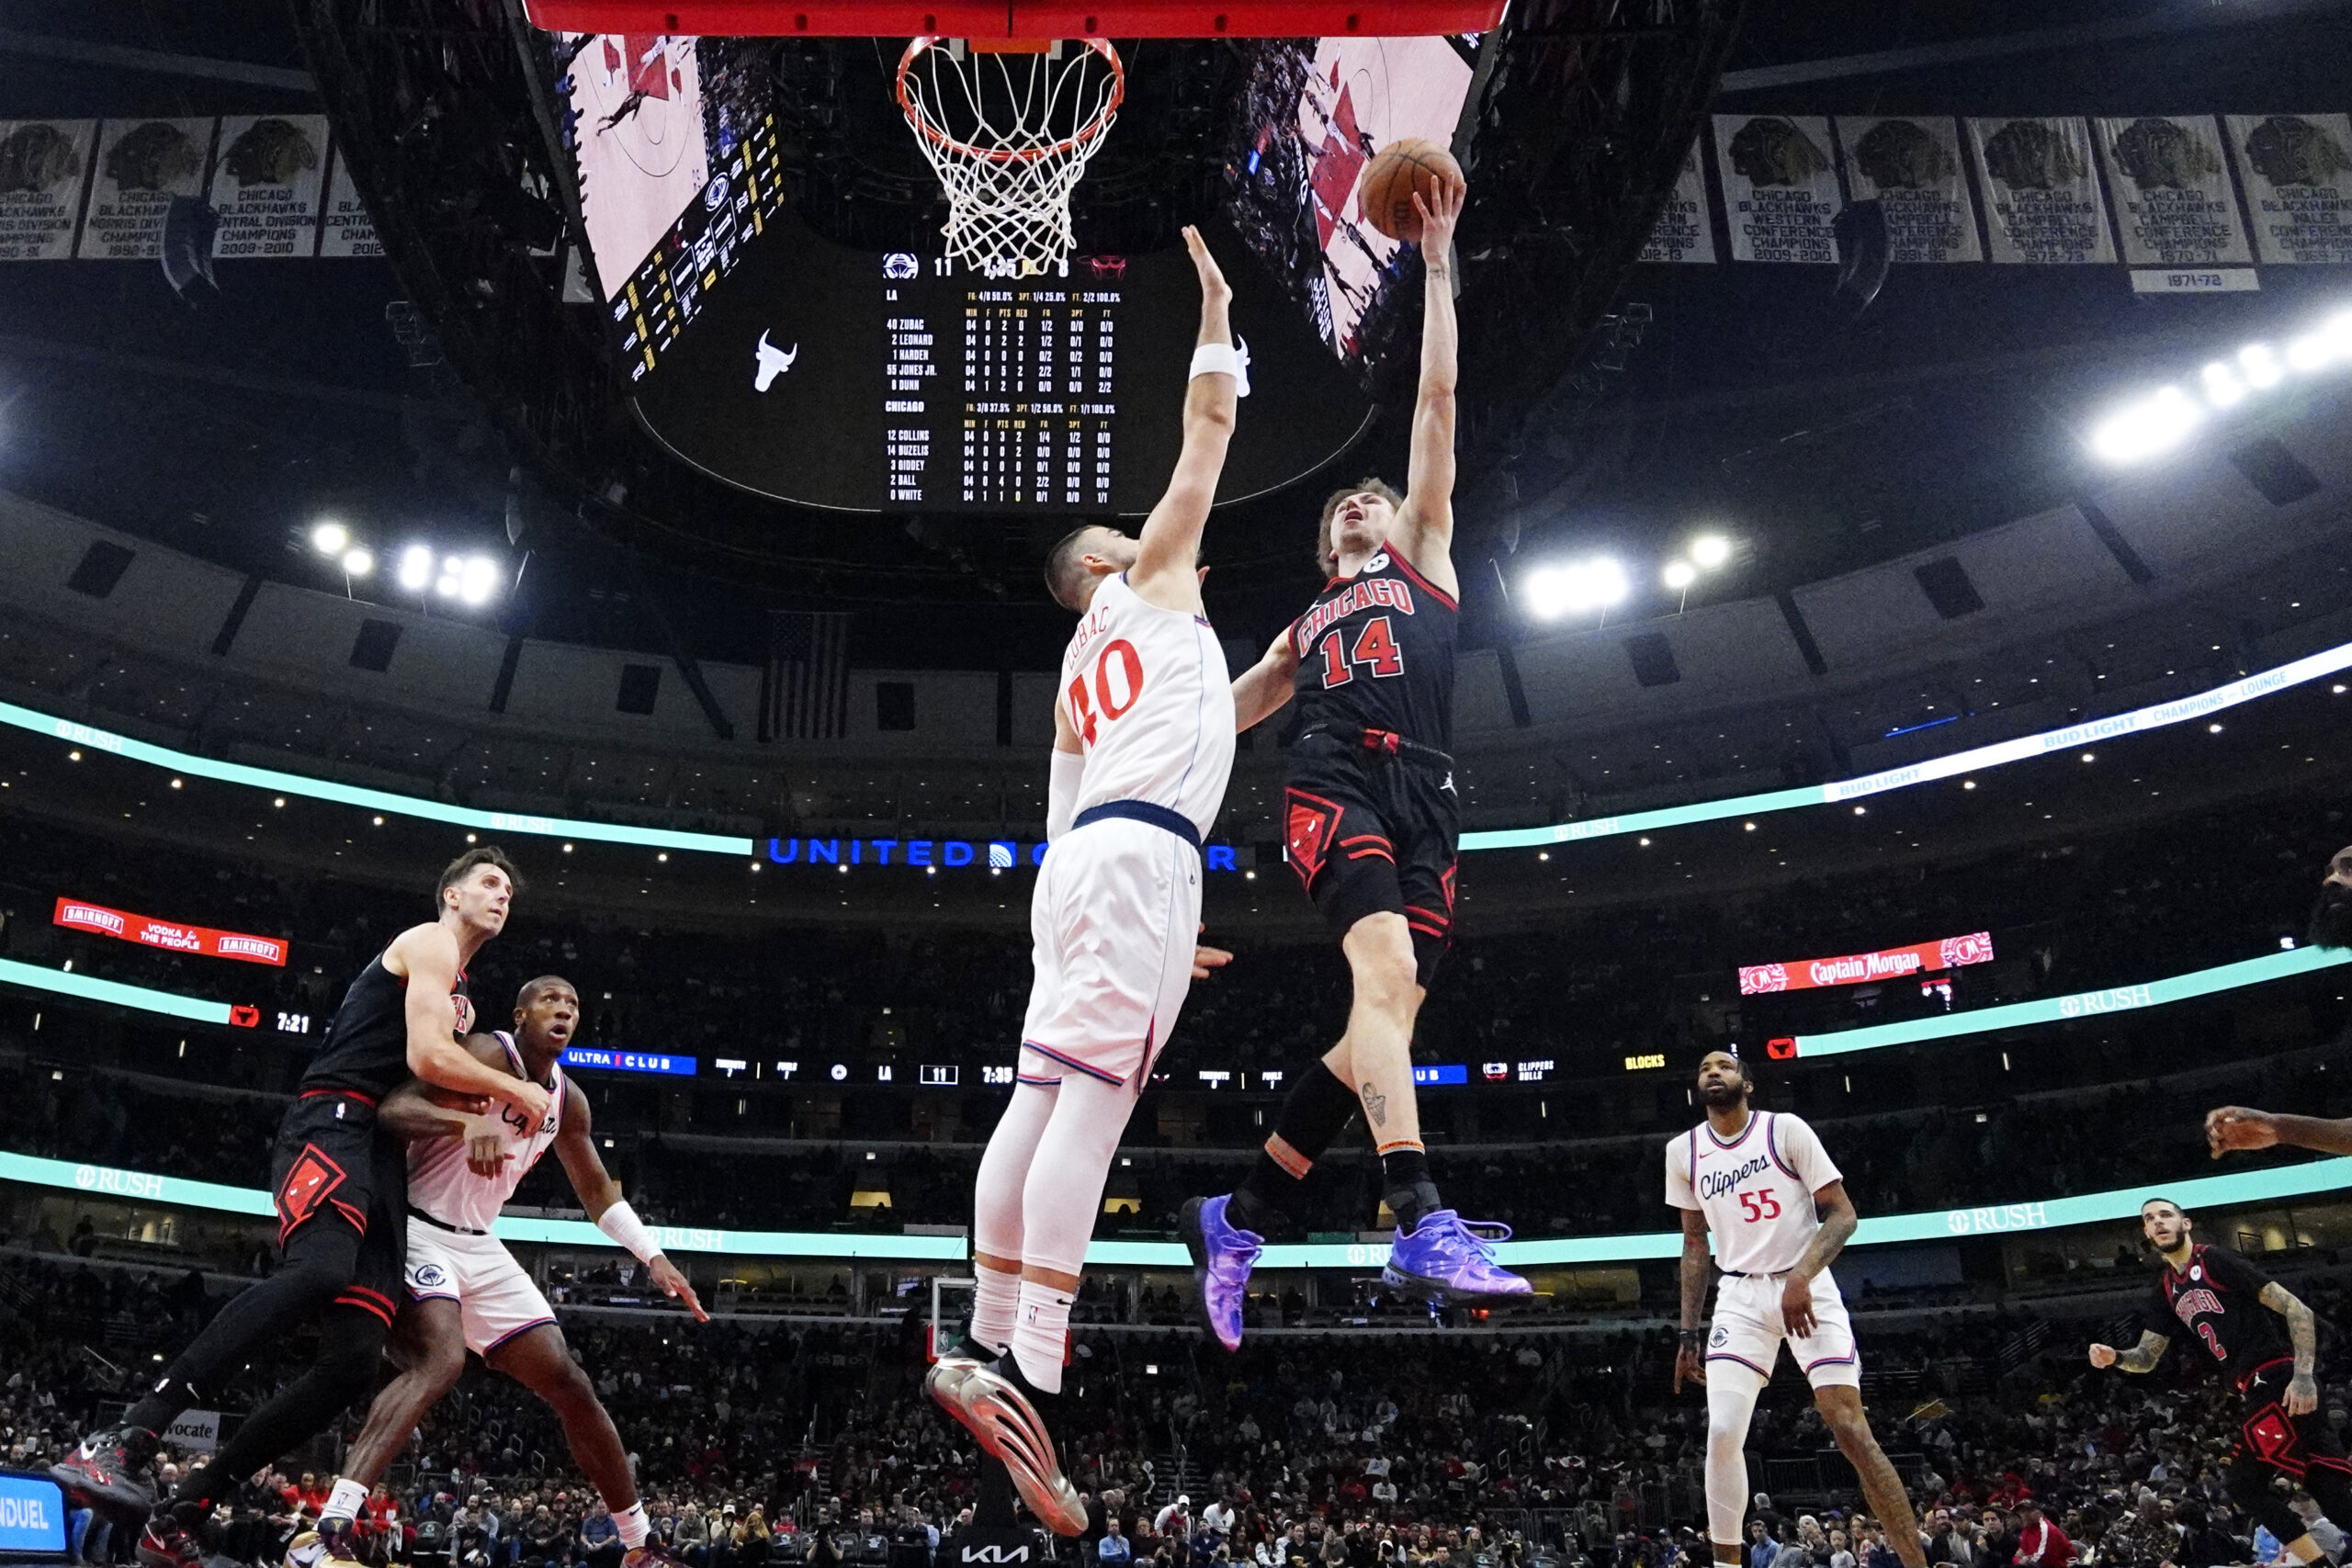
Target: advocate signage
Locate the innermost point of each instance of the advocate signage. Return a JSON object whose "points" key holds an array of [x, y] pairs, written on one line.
{"points": [[1886, 964], [149, 931]]}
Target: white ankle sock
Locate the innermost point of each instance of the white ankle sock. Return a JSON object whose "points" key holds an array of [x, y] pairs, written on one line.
{"points": [[996, 1299], [631, 1522], [1041, 1334], [343, 1503]]}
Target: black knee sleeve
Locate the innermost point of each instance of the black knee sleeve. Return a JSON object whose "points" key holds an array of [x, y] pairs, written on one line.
{"points": [[1315, 1112], [351, 1347], [2250, 1488]]}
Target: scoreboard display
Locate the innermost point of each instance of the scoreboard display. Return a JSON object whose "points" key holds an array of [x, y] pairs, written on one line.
{"points": [[801, 369]]}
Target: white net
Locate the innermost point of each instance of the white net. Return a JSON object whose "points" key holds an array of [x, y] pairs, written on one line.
{"points": [[1010, 134]]}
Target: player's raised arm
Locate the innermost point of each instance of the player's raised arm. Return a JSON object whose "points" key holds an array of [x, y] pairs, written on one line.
{"points": [[1169, 547], [1260, 691], [2230, 1129], [601, 1195], [1424, 530], [426, 959]]}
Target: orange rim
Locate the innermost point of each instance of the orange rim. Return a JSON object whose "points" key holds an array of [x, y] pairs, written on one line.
{"points": [[1091, 131]]}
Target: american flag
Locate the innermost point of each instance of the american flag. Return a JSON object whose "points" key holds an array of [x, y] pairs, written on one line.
{"points": [[804, 694]]}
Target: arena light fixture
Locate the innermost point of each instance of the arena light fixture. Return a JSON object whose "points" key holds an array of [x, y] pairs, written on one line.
{"points": [[2261, 367], [2223, 387], [330, 539], [478, 580], [1597, 582], [1709, 550], [357, 562], [2312, 351], [416, 568], [2156, 424], [1679, 575]]}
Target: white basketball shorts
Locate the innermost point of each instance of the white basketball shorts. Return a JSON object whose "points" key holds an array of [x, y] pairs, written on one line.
{"points": [[1749, 1331], [496, 1299], [1111, 928]]}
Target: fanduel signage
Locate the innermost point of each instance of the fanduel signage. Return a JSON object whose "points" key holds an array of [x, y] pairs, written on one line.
{"points": [[149, 931], [1000, 855], [1886, 964]]}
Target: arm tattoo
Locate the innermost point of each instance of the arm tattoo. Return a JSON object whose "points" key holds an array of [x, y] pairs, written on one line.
{"points": [[1375, 1105], [2302, 1328], [2143, 1356]]}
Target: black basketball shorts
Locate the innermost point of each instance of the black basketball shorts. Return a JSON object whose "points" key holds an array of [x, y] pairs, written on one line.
{"points": [[340, 1185], [1371, 832]]}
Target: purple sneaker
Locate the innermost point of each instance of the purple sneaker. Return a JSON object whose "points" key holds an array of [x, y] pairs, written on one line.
{"points": [[1223, 1253], [1444, 1262]]}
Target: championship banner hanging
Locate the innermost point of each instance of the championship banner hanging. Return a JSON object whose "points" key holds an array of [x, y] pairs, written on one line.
{"points": [[44, 164], [149, 931], [1911, 168], [1780, 194], [268, 184], [141, 165], [346, 229], [1682, 233], [2172, 201], [2041, 190], [2297, 173], [1886, 964]]}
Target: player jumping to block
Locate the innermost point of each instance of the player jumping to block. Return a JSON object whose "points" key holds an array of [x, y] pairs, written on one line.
{"points": [[1371, 817], [2219, 1297], [1144, 741], [1762, 1185], [2235, 1128], [466, 1292]]}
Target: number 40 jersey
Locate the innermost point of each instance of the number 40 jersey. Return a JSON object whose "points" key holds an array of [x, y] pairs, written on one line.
{"points": [[1755, 1189], [1147, 691]]}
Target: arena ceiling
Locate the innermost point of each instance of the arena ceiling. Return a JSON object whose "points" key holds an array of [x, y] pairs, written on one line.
{"points": [[1820, 435]]}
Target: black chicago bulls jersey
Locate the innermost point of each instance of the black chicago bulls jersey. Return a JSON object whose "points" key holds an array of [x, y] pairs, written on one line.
{"points": [[1376, 652], [365, 1049], [2216, 1301]]}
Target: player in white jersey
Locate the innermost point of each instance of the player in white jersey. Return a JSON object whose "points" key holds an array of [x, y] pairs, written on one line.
{"points": [[1143, 745], [1762, 1185], [466, 1291]]}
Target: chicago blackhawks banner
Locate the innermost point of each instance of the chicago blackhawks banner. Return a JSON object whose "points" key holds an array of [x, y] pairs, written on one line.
{"points": [[1780, 189], [1682, 233], [44, 167], [2172, 201], [2042, 193], [1910, 166], [2297, 173]]}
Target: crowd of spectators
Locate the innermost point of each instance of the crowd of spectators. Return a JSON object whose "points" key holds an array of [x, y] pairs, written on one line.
{"points": [[757, 1445]]}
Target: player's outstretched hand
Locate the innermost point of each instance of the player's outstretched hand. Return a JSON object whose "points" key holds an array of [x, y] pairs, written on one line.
{"points": [[1213, 283], [2102, 1356], [1691, 1367], [2233, 1128], [675, 1285], [1796, 1306], [1208, 958], [1438, 217]]}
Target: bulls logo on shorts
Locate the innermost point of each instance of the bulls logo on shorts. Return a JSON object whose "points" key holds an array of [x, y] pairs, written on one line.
{"points": [[2270, 1435], [309, 1182], [427, 1277], [1308, 828]]}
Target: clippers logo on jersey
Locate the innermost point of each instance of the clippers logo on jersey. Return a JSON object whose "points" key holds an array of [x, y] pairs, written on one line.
{"points": [[1363, 593], [520, 1128], [1715, 1184], [427, 1277]]}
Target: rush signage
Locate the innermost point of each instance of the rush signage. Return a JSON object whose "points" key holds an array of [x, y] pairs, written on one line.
{"points": [[932, 853], [1887, 964], [149, 931]]}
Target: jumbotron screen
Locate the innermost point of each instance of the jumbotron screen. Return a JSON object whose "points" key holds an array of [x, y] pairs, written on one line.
{"points": [[799, 368]]}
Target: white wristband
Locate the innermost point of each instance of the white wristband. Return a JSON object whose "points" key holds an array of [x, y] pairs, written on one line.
{"points": [[621, 1223], [1223, 358]]}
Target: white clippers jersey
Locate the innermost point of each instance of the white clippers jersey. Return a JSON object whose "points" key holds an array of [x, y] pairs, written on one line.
{"points": [[1148, 693], [1755, 1189], [439, 1183]]}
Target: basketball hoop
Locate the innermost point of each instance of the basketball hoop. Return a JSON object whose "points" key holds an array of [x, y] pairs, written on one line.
{"points": [[1009, 131]]}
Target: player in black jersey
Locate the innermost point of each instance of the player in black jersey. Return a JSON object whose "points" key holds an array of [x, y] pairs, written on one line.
{"points": [[2234, 1128], [1370, 818], [2234, 1311], [342, 1190]]}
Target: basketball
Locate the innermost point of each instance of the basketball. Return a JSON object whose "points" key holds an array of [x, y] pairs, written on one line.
{"points": [[1385, 190]]}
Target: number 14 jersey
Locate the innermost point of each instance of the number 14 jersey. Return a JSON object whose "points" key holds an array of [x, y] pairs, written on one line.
{"points": [[1148, 693], [1755, 1189]]}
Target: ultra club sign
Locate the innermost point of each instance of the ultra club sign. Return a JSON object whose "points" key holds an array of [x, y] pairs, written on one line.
{"points": [[149, 931], [1886, 964]]}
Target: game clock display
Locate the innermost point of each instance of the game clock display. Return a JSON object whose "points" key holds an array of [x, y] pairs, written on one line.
{"points": [[900, 382]]}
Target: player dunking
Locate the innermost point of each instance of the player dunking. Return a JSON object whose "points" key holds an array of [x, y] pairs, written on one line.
{"points": [[2232, 1128], [341, 1185], [466, 1292], [1144, 741], [2235, 1310], [1371, 816], [1762, 1185]]}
